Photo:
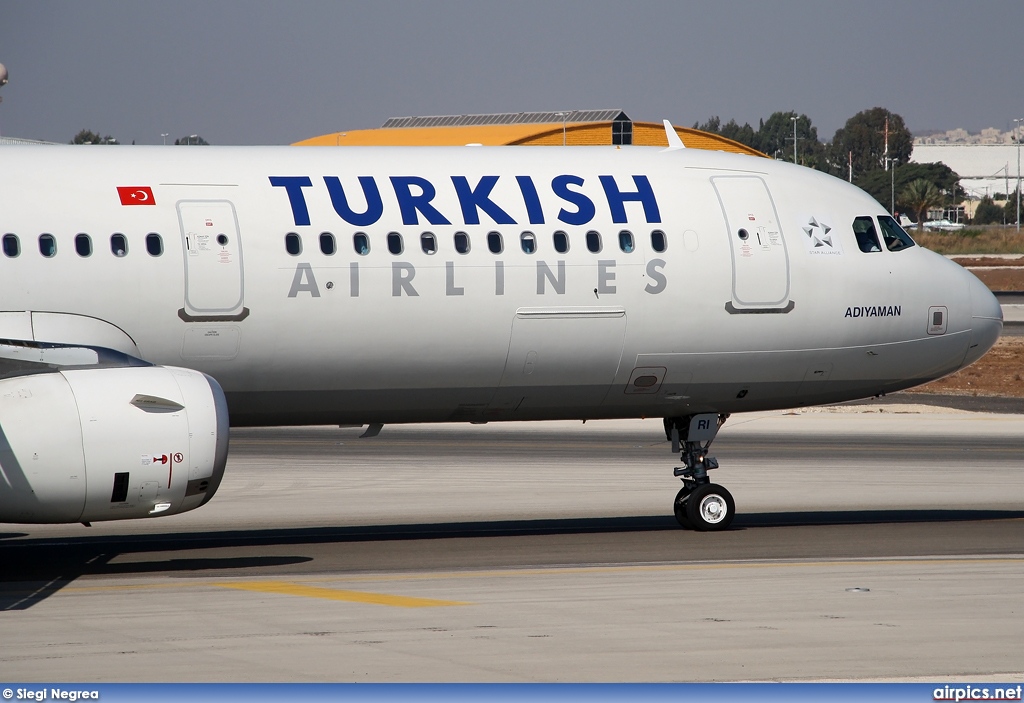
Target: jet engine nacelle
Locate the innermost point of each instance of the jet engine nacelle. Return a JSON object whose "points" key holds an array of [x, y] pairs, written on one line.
{"points": [[96, 444]]}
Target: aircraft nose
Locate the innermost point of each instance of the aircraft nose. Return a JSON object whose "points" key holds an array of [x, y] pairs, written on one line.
{"points": [[986, 321]]}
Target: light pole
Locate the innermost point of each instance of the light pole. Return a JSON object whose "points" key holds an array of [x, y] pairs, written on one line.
{"points": [[163, 135], [1017, 130], [563, 115], [3, 77], [892, 185], [794, 138]]}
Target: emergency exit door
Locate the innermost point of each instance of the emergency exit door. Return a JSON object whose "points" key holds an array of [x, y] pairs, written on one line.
{"points": [[213, 260], [760, 262]]}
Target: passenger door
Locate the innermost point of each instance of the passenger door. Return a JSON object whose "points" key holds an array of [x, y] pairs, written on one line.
{"points": [[214, 286], [760, 261]]}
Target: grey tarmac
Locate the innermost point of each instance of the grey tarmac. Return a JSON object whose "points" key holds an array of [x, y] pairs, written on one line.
{"points": [[874, 541]]}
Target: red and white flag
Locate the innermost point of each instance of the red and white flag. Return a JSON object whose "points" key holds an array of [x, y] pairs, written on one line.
{"points": [[136, 195]]}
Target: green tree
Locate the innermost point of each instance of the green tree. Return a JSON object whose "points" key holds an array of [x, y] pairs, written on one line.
{"points": [[730, 130], [193, 140], [878, 184], [744, 135], [988, 213], [1010, 209], [862, 138], [712, 124], [89, 137], [920, 196], [775, 138]]}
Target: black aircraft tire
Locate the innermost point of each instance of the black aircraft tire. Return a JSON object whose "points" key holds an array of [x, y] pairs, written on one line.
{"points": [[710, 508], [680, 507]]}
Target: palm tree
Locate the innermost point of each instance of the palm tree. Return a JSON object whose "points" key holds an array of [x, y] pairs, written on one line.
{"points": [[921, 195]]}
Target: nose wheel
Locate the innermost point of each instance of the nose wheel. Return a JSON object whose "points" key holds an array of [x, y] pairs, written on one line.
{"points": [[700, 505], [705, 508]]}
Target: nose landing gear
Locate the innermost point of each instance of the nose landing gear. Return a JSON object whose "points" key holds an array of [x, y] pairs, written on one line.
{"points": [[700, 505]]}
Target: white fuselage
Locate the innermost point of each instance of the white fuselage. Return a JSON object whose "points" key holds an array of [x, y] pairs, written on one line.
{"points": [[695, 319]]}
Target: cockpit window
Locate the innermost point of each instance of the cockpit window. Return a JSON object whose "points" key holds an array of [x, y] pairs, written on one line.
{"points": [[893, 235], [867, 239]]}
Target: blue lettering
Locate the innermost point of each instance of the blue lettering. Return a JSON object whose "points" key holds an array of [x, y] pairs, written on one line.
{"points": [[533, 208], [473, 199], [643, 194], [410, 203], [293, 185], [584, 205], [374, 206]]}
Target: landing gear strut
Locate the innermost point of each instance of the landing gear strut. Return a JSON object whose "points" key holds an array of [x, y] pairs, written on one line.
{"points": [[699, 505]]}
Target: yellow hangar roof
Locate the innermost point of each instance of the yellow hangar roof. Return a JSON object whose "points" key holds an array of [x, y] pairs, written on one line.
{"points": [[580, 127]]}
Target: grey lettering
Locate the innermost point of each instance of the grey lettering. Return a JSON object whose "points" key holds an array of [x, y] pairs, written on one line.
{"points": [[402, 274], [449, 280], [605, 276], [544, 274], [304, 282], [660, 282], [353, 281], [499, 278]]}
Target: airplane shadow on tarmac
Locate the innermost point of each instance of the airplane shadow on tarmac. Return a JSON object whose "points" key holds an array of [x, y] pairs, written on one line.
{"points": [[32, 570]]}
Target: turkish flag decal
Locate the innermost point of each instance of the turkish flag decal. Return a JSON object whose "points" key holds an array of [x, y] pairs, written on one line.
{"points": [[136, 195]]}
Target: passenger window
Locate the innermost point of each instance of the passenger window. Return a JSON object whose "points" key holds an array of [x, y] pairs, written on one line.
{"points": [[83, 244], [561, 241], [293, 244], [594, 241], [528, 242], [328, 246], [118, 245], [461, 242], [894, 236], [658, 241], [428, 243], [154, 244], [494, 242], [47, 245], [395, 245], [867, 239], [626, 241], [361, 243], [12, 247]]}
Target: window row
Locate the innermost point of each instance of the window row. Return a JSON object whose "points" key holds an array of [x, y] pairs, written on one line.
{"points": [[528, 242], [83, 245]]}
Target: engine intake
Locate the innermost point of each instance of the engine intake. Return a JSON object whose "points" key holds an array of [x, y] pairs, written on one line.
{"points": [[87, 445]]}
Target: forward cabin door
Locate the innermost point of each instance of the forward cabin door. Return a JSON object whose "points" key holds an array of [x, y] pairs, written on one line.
{"points": [[212, 244], [760, 261]]}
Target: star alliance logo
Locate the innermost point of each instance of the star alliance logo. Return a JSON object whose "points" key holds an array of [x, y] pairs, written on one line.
{"points": [[818, 233], [819, 237]]}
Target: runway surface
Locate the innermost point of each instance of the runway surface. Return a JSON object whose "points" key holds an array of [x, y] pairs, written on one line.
{"points": [[880, 542]]}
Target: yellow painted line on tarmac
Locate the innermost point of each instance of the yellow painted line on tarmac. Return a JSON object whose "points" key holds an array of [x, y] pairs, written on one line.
{"points": [[669, 568], [294, 589]]}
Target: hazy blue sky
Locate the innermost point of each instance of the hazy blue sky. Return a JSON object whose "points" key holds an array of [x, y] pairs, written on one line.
{"points": [[276, 72]]}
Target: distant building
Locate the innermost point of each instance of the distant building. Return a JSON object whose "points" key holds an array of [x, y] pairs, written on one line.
{"points": [[990, 135], [984, 169], [16, 140], [573, 128]]}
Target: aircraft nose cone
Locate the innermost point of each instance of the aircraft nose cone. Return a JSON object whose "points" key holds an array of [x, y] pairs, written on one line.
{"points": [[986, 321]]}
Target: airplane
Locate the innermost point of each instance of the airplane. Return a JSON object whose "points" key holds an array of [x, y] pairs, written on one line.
{"points": [[944, 225], [151, 298]]}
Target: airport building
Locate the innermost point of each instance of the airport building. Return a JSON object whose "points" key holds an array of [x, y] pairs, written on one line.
{"points": [[570, 128]]}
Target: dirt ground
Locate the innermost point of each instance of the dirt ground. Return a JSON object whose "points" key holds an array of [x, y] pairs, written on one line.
{"points": [[998, 373]]}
